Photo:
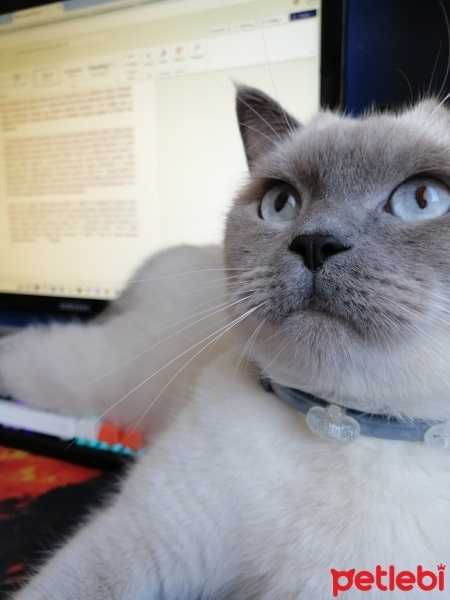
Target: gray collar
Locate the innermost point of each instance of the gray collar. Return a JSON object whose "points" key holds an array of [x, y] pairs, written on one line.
{"points": [[334, 422]]}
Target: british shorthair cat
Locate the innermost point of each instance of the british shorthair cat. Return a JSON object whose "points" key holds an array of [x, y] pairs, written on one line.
{"points": [[294, 384]]}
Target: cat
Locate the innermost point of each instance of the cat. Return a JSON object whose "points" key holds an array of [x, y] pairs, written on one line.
{"points": [[334, 279]]}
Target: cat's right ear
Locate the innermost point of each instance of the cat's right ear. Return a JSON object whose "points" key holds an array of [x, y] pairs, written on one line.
{"points": [[262, 122]]}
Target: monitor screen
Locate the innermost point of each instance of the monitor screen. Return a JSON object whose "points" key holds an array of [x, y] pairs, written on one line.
{"points": [[118, 135], [396, 52]]}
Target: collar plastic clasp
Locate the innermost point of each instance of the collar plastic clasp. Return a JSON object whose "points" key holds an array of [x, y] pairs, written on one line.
{"points": [[332, 423], [438, 436]]}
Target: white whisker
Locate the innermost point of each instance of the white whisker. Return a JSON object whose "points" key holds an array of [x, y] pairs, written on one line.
{"points": [[134, 357], [193, 313], [447, 23], [222, 331], [274, 358], [248, 346]]}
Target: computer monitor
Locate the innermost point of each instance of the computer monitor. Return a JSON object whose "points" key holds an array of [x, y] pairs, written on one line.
{"points": [[118, 135], [384, 54]]}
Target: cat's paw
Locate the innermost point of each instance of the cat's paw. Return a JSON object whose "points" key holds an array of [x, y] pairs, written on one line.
{"points": [[34, 366]]}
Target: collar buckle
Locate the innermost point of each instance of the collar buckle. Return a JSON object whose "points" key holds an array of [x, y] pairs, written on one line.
{"points": [[438, 435], [332, 423]]}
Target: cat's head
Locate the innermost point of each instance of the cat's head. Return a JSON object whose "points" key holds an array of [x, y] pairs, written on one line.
{"points": [[340, 245]]}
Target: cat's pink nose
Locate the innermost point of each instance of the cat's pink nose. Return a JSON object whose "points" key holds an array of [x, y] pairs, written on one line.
{"points": [[316, 248]]}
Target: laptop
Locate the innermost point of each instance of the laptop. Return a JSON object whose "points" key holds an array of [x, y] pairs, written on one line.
{"points": [[118, 136]]}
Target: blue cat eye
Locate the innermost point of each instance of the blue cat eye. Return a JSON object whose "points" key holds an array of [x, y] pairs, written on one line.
{"points": [[420, 199], [279, 204]]}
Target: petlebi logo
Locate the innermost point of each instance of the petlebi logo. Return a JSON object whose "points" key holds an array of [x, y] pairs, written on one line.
{"points": [[388, 580]]}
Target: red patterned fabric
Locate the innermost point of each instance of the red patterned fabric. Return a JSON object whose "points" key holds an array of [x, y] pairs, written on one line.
{"points": [[41, 500]]}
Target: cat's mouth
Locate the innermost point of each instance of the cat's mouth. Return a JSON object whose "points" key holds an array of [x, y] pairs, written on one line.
{"points": [[317, 297], [314, 305], [347, 305], [317, 307]]}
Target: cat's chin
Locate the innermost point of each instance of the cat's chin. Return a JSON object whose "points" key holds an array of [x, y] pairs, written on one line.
{"points": [[322, 319], [320, 353]]}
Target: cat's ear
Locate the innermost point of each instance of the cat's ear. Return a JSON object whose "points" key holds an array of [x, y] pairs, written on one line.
{"points": [[262, 122]]}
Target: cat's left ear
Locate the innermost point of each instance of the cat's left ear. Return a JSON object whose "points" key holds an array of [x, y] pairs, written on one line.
{"points": [[262, 122]]}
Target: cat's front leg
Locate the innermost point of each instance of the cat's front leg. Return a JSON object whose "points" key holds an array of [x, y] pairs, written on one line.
{"points": [[107, 561], [118, 364], [144, 546]]}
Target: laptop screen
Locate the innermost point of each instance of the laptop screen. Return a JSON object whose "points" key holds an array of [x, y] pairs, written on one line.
{"points": [[118, 135]]}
